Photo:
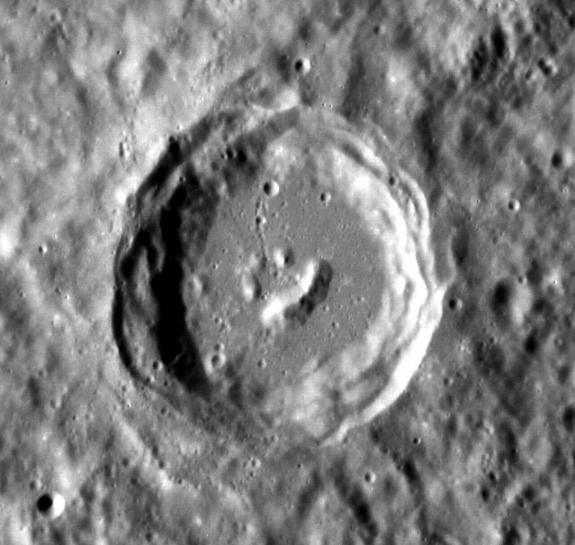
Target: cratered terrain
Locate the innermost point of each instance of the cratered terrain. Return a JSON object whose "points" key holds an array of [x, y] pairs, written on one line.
{"points": [[287, 273]]}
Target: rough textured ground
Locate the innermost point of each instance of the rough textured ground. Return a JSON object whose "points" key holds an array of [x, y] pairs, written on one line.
{"points": [[474, 100]]}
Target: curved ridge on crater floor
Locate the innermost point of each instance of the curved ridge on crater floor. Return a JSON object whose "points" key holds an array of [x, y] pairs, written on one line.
{"points": [[350, 389], [330, 394]]}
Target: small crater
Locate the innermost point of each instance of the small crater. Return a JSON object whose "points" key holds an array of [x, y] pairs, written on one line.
{"points": [[501, 299], [410, 472], [498, 44], [44, 503], [155, 69], [369, 477], [547, 66], [302, 65], [479, 60], [511, 536], [508, 447], [535, 273], [454, 304], [563, 374], [261, 363], [557, 159], [460, 247], [495, 113], [491, 359], [237, 155], [568, 418], [51, 505], [217, 361], [284, 258], [270, 188], [531, 344]]}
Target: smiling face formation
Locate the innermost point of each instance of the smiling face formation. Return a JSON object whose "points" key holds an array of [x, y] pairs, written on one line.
{"points": [[293, 277], [312, 297]]}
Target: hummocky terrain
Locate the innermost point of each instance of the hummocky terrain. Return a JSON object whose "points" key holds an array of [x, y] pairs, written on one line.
{"points": [[287, 273]]}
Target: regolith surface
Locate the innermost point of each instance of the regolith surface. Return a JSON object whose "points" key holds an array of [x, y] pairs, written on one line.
{"points": [[287, 273]]}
